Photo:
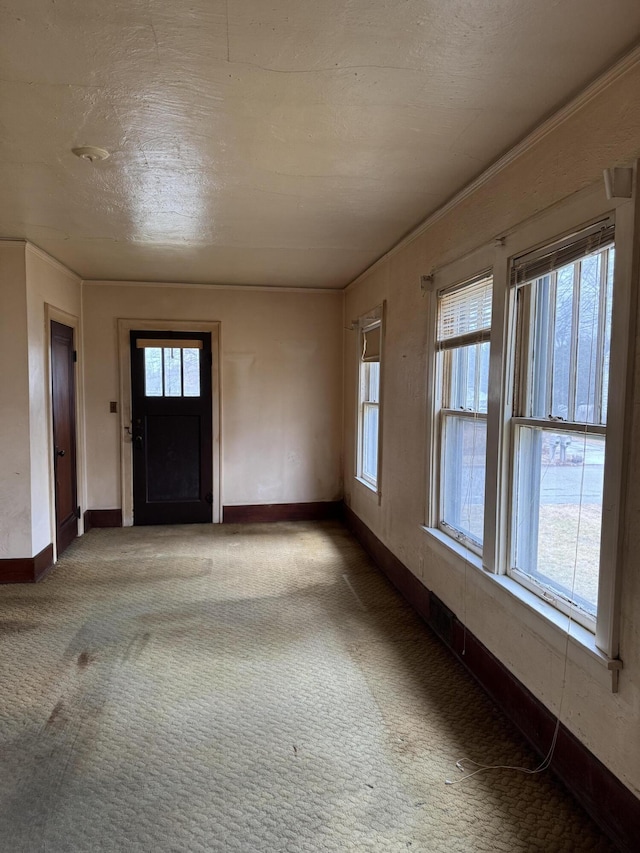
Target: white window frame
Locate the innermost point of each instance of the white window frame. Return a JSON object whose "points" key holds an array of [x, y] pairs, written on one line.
{"points": [[444, 414], [565, 218], [571, 427], [477, 264], [371, 320]]}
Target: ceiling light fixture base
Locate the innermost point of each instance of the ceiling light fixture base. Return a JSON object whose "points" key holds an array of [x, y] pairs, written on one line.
{"points": [[91, 153]]}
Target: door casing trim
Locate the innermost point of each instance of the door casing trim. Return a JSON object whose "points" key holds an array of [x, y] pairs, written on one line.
{"points": [[125, 326]]}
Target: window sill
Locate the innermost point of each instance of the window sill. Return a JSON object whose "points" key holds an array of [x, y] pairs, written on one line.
{"points": [[577, 634], [367, 485], [458, 548], [580, 637]]}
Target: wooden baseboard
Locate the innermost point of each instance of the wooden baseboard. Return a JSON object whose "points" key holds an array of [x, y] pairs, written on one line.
{"points": [[102, 518], [609, 802], [253, 513], [27, 569]]}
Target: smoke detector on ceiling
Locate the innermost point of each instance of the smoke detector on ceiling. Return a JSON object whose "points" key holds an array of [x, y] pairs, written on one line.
{"points": [[91, 153]]}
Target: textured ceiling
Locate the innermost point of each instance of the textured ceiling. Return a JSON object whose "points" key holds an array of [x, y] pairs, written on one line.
{"points": [[283, 143]]}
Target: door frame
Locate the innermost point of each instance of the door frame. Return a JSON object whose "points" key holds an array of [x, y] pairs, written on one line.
{"points": [[60, 316], [125, 326]]}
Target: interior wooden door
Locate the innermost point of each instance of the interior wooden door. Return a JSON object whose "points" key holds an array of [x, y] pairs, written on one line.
{"points": [[64, 434], [171, 427]]}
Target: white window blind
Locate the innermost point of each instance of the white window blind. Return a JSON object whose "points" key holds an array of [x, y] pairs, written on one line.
{"points": [[543, 261], [465, 313]]}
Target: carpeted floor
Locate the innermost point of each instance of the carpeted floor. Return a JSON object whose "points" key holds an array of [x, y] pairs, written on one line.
{"points": [[248, 688]]}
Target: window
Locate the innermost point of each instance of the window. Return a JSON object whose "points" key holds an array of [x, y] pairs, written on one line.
{"points": [[462, 371], [528, 447], [559, 425], [171, 368], [370, 346]]}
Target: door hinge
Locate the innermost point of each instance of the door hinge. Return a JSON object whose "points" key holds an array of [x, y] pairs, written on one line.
{"points": [[75, 355], [77, 512]]}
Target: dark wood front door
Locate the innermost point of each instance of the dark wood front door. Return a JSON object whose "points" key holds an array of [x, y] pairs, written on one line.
{"points": [[64, 434], [171, 427]]}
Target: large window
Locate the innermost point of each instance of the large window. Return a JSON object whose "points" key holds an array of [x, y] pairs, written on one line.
{"points": [[370, 346], [559, 432], [528, 396], [462, 369]]}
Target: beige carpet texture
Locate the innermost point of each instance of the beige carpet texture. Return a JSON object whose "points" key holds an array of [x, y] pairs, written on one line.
{"points": [[252, 688]]}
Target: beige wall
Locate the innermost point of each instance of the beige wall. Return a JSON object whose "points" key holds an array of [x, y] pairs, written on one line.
{"points": [[31, 285], [15, 466], [281, 392], [602, 133]]}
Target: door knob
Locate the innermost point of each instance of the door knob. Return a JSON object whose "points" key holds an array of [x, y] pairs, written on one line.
{"points": [[60, 452]]}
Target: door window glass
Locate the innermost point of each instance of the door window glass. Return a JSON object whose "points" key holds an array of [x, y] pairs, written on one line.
{"points": [[153, 372], [171, 371], [191, 372]]}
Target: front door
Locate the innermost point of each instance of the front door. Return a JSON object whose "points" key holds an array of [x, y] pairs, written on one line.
{"points": [[64, 434], [171, 427]]}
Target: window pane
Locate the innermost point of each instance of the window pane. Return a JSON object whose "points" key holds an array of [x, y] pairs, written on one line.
{"points": [[172, 372], [153, 371], [373, 382], [463, 475], [588, 309], [542, 358], [370, 442], [571, 331], [469, 377], [562, 343], [191, 372], [558, 511]]}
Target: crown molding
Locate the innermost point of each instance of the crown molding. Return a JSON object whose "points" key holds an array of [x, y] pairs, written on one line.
{"points": [[53, 262], [30, 247], [262, 288], [13, 243], [577, 103]]}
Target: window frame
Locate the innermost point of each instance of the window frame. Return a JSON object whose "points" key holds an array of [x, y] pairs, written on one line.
{"points": [[444, 413], [367, 322], [567, 217], [472, 267], [523, 384], [367, 405]]}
